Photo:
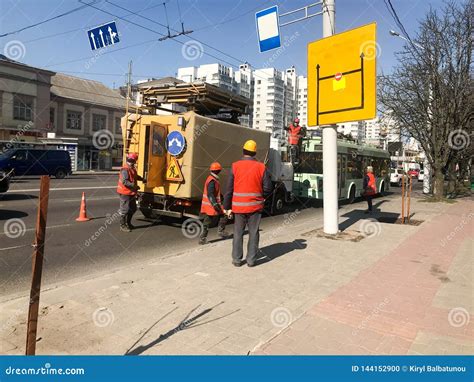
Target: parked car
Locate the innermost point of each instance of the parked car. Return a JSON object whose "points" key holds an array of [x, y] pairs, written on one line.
{"points": [[4, 181], [36, 162], [421, 175], [396, 176], [413, 173]]}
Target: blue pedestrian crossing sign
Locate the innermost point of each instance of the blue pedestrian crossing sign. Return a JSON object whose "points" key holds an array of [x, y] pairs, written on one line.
{"points": [[103, 35], [175, 143], [268, 29]]}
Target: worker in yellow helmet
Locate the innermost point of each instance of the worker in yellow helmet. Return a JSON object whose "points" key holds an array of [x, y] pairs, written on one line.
{"points": [[248, 185]]}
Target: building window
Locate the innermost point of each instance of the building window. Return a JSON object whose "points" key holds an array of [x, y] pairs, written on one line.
{"points": [[22, 108], [118, 127], [98, 122], [51, 117], [74, 120]]}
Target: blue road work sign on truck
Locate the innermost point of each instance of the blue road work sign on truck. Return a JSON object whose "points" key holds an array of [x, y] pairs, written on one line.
{"points": [[103, 35], [268, 29]]}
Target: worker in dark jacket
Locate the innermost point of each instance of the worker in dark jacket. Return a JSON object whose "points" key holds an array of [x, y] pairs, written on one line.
{"points": [[248, 185], [211, 205], [127, 189]]}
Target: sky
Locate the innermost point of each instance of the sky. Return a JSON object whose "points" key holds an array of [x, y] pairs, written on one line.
{"points": [[62, 45]]}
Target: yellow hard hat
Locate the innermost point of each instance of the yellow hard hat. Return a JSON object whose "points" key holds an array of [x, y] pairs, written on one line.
{"points": [[250, 145]]}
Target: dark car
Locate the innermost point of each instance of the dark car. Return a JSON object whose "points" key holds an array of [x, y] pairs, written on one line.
{"points": [[4, 181], [36, 162]]}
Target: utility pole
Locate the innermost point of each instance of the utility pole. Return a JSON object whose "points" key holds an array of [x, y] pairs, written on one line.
{"points": [[330, 173], [129, 85]]}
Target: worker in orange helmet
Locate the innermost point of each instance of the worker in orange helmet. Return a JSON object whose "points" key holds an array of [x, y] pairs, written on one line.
{"points": [[127, 189], [211, 206], [248, 185]]}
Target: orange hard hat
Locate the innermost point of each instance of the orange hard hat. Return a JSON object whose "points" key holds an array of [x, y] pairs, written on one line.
{"points": [[215, 166], [132, 156]]}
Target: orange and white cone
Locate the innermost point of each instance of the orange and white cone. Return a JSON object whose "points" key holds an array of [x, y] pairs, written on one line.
{"points": [[83, 212]]}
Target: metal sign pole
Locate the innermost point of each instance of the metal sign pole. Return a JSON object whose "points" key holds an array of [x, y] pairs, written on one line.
{"points": [[37, 267], [330, 191]]}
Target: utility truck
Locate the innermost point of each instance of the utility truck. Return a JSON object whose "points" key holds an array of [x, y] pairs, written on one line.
{"points": [[176, 148], [174, 154]]}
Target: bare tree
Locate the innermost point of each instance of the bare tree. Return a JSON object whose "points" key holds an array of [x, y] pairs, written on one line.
{"points": [[429, 91]]}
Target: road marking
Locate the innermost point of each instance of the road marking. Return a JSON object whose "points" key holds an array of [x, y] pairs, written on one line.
{"points": [[63, 189], [15, 247], [48, 227]]}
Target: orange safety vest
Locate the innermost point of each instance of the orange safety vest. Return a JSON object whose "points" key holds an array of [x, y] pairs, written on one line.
{"points": [[294, 134], [206, 206], [248, 186], [371, 188], [132, 176]]}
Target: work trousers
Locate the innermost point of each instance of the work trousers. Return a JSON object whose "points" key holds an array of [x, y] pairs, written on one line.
{"points": [[208, 220], [369, 201], [252, 222], [128, 205]]}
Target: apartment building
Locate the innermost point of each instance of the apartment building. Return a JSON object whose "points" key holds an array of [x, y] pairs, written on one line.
{"points": [[239, 81], [291, 92], [302, 99], [273, 93], [269, 101], [244, 79], [354, 129]]}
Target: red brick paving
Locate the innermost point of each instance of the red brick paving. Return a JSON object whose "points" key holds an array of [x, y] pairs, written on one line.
{"points": [[382, 310]]}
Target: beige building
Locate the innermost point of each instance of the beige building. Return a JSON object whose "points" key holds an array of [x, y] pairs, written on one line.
{"points": [[40, 108], [24, 101], [89, 112]]}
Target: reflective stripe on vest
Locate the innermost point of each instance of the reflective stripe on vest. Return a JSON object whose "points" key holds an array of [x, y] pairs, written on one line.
{"points": [[121, 189], [248, 186], [206, 206], [294, 135]]}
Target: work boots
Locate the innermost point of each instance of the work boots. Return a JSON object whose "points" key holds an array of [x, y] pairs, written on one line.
{"points": [[123, 224], [203, 236], [221, 232], [129, 221]]}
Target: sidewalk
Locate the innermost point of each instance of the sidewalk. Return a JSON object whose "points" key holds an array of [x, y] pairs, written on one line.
{"points": [[400, 290]]}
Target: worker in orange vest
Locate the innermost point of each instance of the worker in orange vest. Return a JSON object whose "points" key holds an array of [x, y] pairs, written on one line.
{"points": [[248, 185], [295, 133], [370, 188], [127, 189], [211, 205]]}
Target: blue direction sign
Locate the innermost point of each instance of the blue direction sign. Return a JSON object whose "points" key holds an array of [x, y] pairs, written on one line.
{"points": [[175, 143], [103, 36], [268, 29]]}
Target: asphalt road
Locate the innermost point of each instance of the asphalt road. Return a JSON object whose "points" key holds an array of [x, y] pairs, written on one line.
{"points": [[76, 249], [70, 250]]}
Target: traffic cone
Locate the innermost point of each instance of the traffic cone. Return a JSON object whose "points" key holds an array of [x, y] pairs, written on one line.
{"points": [[83, 212]]}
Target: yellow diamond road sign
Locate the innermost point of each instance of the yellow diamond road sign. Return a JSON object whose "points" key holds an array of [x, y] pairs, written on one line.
{"points": [[342, 77]]}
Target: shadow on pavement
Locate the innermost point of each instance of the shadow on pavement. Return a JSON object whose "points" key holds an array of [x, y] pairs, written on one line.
{"points": [[273, 251], [11, 214], [187, 322], [355, 215]]}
